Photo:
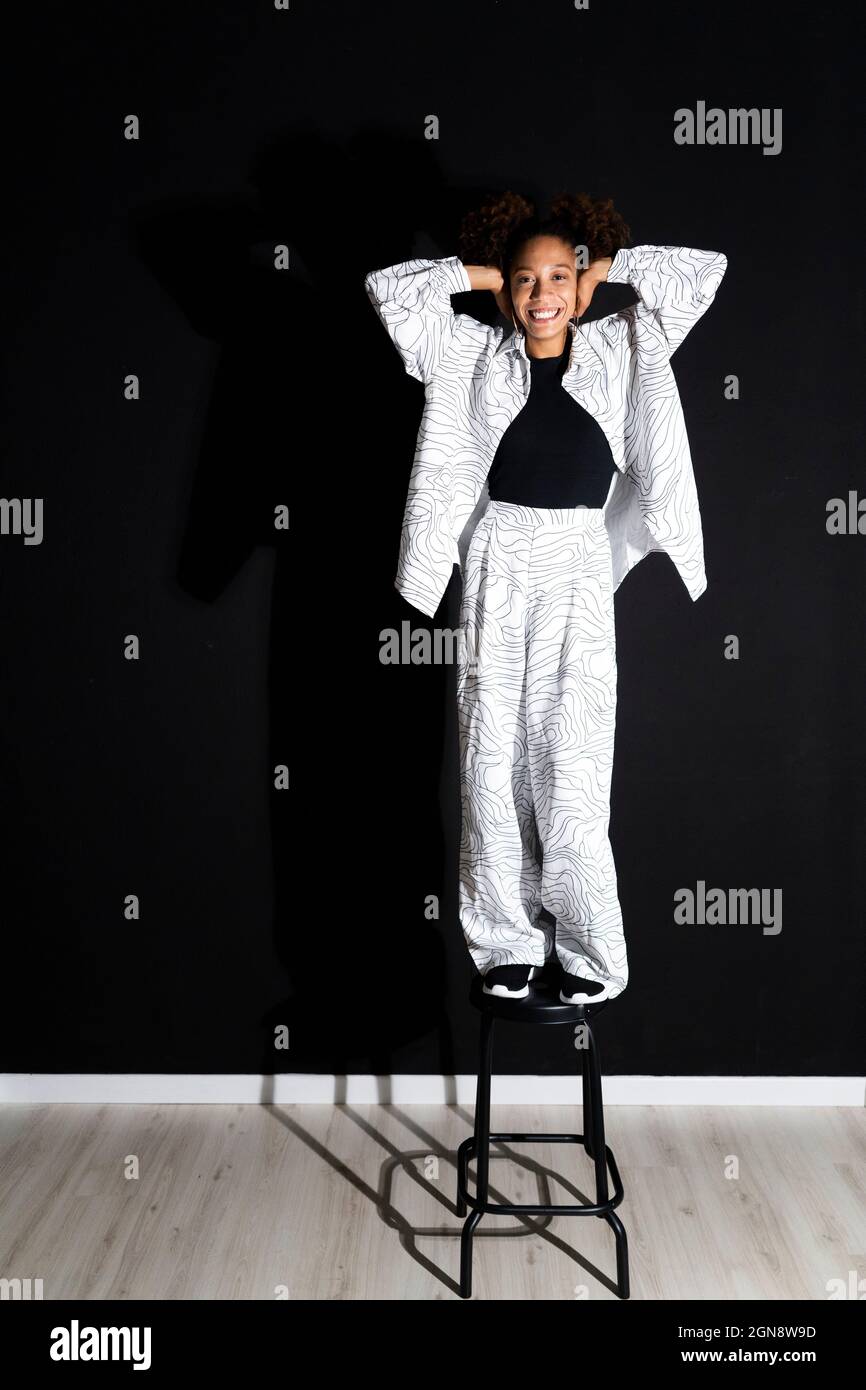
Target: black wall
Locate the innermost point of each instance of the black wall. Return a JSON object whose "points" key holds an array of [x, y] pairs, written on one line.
{"points": [[261, 387]]}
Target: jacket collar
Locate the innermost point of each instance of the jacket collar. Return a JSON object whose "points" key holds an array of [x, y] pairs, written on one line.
{"points": [[581, 355]]}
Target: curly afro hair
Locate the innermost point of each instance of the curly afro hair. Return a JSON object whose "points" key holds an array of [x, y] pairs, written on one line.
{"points": [[495, 232]]}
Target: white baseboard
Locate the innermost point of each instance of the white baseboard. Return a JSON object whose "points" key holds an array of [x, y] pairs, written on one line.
{"points": [[301, 1088]]}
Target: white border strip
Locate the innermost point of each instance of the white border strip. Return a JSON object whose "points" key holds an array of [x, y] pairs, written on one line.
{"points": [[300, 1088]]}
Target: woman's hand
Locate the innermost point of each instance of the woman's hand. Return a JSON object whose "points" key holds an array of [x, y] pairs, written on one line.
{"points": [[502, 295], [489, 277], [587, 280]]}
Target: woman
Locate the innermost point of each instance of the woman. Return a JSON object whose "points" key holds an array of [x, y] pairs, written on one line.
{"points": [[549, 462]]}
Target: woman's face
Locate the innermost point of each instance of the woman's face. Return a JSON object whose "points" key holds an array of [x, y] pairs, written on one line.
{"points": [[543, 285]]}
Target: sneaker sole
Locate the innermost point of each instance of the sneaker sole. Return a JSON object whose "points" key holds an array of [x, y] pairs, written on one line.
{"points": [[585, 998], [504, 993]]}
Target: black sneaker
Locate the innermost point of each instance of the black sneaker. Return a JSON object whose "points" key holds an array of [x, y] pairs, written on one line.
{"points": [[511, 981], [576, 989]]}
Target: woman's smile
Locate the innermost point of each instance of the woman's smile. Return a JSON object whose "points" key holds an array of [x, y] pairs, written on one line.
{"points": [[544, 315]]}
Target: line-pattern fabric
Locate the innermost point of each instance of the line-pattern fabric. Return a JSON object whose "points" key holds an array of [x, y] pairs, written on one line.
{"points": [[536, 696], [477, 379]]}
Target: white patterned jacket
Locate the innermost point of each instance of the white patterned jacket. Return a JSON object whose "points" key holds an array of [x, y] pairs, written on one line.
{"points": [[476, 379]]}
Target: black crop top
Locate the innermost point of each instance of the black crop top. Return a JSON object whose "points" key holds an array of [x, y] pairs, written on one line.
{"points": [[553, 454]]}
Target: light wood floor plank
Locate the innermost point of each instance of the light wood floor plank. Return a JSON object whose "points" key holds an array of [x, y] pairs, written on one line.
{"points": [[357, 1202]]}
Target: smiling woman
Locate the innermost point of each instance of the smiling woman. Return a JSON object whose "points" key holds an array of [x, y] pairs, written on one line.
{"points": [[539, 563], [562, 448], [542, 270]]}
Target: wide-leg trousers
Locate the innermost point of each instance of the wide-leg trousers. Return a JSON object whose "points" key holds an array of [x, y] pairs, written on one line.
{"points": [[536, 711]]}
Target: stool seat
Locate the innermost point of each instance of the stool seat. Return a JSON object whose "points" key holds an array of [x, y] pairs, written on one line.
{"points": [[541, 1006]]}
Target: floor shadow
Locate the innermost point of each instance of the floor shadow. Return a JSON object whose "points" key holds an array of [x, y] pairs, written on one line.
{"points": [[397, 1160]]}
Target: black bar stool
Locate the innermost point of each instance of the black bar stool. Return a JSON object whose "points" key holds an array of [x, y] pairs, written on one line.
{"points": [[542, 1005]]}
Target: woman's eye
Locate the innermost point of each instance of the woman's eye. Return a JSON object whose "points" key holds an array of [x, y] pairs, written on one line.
{"points": [[557, 275]]}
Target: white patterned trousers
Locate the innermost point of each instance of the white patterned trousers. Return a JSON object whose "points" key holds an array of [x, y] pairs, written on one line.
{"points": [[536, 701]]}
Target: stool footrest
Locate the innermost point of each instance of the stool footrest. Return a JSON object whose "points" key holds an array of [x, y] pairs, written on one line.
{"points": [[466, 1150]]}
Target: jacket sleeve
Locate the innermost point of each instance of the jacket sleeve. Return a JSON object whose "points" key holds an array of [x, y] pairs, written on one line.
{"points": [[413, 300], [675, 284]]}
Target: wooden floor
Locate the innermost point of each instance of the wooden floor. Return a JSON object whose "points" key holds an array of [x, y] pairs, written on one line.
{"points": [[357, 1202]]}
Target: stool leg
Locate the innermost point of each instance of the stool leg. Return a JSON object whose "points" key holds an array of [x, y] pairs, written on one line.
{"points": [[621, 1253], [482, 1151], [587, 1103], [599, 1152], [593, 1107], [462, 1179]]}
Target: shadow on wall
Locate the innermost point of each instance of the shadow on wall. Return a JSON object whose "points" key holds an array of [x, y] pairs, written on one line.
{"points": [[310, 408]]}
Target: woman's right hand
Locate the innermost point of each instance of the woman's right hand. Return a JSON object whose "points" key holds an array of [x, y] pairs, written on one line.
{"points": [[489, 277], [502, 295]]}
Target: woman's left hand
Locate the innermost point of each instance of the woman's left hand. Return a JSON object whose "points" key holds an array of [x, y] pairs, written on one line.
{"points": [[595, 272]]}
